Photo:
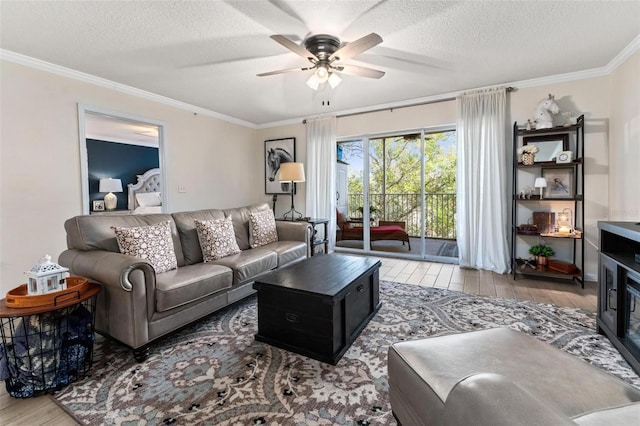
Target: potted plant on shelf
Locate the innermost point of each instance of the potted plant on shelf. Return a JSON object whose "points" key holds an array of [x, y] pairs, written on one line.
{"points": [[541, 252]]}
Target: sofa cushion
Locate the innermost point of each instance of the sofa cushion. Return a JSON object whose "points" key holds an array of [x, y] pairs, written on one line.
{"points": [[288, 251], [240, 217], [248, 264], [422, 373], [489, 399], [262, 228], [186, 227], [152, 243], [189, 283], [93, 232], [217, 238]]}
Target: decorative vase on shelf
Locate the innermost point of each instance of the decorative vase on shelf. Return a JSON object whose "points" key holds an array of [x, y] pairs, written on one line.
{"points": [[542, 262], [528, 158]]}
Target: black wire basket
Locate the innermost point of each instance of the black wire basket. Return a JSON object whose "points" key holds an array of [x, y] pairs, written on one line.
{"points": [[44, 352]]}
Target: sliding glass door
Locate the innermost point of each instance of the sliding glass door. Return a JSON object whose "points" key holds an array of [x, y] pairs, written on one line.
{"points": [[395, 195], [400, 197], [351, 231]]}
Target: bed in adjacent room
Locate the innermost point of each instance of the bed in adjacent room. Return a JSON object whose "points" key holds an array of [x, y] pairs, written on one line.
{"points": [[145, 196]]}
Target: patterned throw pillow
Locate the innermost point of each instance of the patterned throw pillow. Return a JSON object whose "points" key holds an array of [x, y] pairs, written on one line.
{"points": [[262, 228], [152, 243], [217, 238]]}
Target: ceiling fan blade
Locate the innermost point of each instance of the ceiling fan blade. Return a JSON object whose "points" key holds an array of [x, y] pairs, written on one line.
{"points": [[359, 71], [264, 74], [355, 48], [295, 48]]}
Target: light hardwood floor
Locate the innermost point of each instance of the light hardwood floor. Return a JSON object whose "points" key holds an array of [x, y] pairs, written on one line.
{"points": [[490, 284], [43, 411]]}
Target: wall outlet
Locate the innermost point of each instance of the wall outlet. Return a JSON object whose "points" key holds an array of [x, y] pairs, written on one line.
{"points": [[182, 189]]}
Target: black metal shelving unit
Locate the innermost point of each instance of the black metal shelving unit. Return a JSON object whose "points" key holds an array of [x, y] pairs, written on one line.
{"points": [[522, 266]]}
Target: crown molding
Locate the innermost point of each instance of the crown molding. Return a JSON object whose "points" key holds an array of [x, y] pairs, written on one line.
{"points": [[288, 122], [554, 79], [102, 82], [618, 60], [625, 54], [560, 78], [368, 109]]}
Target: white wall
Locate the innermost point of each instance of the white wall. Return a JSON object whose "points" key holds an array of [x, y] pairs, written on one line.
{"points": [[40, 161], [398, 119], [624, 150], [297, 131]]}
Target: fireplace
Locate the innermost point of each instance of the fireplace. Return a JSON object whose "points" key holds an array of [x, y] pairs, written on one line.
{"points": [[619, 288], [632, 320]]}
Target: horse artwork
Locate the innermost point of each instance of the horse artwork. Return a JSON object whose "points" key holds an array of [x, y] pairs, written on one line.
{"points": [[277, 152], [543, 118], [275, 157]]}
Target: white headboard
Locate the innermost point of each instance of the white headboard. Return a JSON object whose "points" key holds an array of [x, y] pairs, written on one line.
{"points": [[147, 182]]}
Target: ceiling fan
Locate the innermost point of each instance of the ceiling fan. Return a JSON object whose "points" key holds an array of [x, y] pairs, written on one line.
{"points": [[326, 53]]}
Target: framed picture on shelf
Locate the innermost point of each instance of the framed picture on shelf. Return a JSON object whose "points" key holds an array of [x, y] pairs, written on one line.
{"points": [[549, 146], [276, 152], [98, 205], [560, 182]]}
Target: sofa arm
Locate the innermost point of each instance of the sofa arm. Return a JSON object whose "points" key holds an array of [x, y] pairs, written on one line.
{"points": [[126, 302], [488, 399], [294, 231], [107, 267]]}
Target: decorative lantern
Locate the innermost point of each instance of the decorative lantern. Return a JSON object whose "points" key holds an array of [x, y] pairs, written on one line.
{"points": [[565, 226], [46, 277]]}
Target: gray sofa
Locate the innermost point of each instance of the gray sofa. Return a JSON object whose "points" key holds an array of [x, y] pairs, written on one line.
{"points": [[137, 306], [502, 377]]}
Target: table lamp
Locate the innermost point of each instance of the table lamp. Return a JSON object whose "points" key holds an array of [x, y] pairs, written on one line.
{"points": [[292, 172], [110, 185], [540, 183]]}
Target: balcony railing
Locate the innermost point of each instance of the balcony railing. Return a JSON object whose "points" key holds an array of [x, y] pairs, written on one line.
{"points": [[440, 212]]}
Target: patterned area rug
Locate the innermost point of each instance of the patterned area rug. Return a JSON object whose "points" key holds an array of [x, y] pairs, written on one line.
{"points": [[215, 373]]}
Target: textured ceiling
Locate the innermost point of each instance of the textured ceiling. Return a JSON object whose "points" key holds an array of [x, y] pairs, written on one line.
{"points": [[207, 53]]}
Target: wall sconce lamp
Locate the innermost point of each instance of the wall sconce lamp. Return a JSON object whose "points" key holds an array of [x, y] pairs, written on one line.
{"points": [[110, 185], [292, 172], [565, 222], [540, 183]]}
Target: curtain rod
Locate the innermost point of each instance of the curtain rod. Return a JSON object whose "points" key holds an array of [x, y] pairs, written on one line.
{"points": [[508, 89]]}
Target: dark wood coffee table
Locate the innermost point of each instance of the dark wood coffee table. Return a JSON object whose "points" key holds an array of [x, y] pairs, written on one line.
{"points": [[318, 307]]}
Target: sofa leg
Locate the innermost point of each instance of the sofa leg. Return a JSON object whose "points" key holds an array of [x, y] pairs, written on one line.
{"points": [[141, 354]]}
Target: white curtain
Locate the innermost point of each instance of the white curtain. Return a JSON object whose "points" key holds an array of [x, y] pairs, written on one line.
{"points": [[321, 172], [482, 191]]}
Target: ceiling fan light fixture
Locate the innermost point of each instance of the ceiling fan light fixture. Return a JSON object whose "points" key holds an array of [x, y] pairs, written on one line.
{"points": [[325, 53], [317, 83], [322, 73], [313, 82], [334, 80]]}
